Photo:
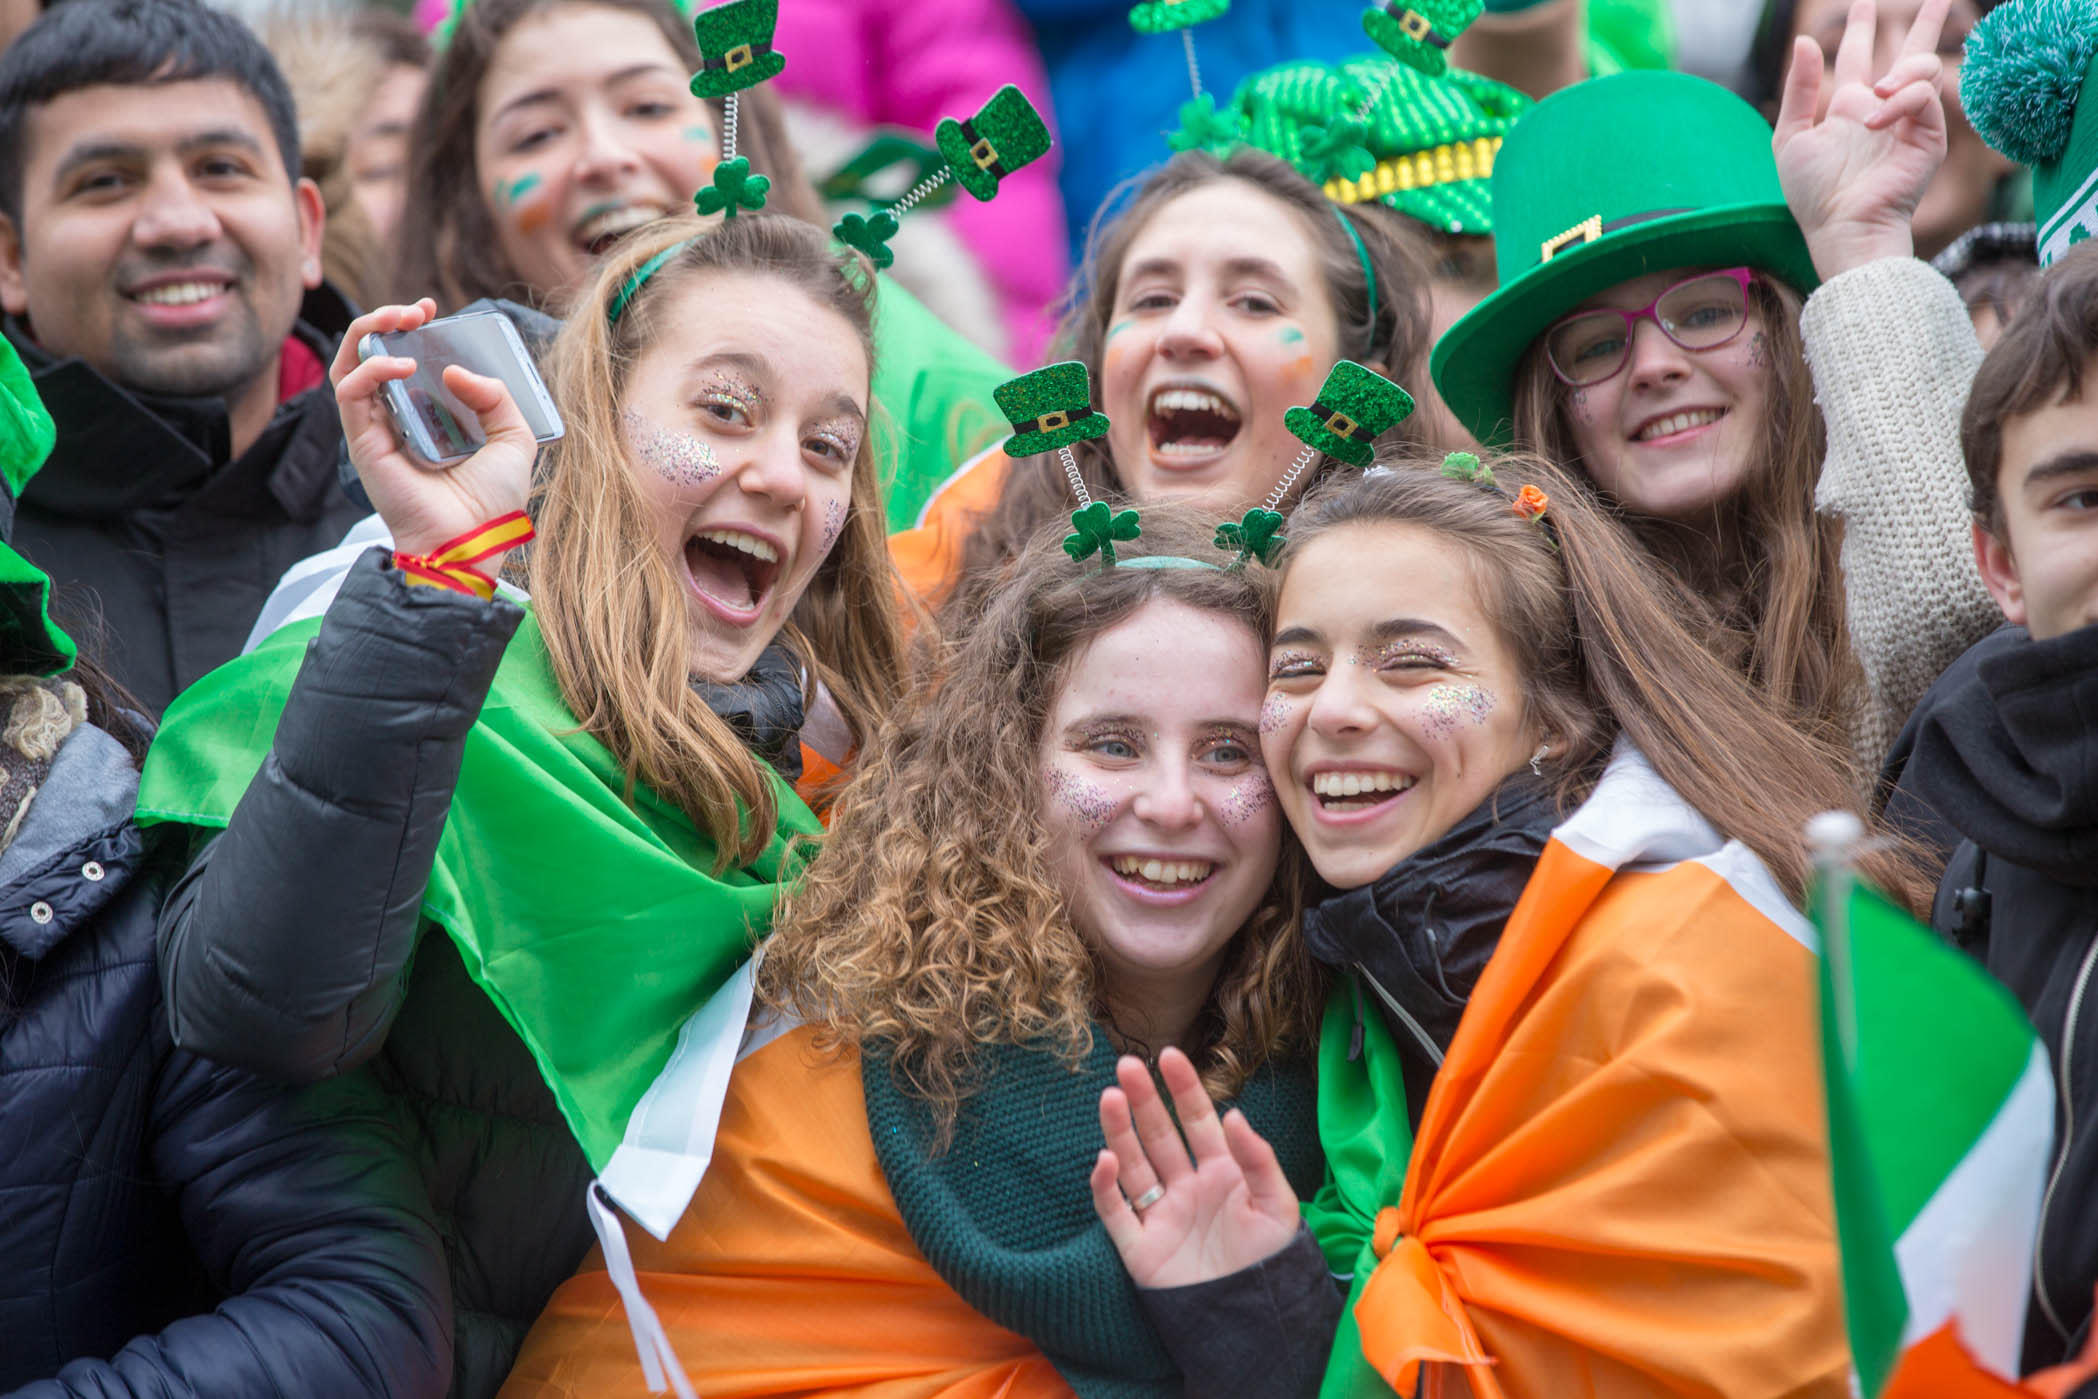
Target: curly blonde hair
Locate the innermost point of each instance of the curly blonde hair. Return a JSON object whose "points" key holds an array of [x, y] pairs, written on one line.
{"points": [[931, 922]]}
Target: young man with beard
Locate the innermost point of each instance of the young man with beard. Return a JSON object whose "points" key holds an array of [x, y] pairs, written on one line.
{"points": [[160, 270]]}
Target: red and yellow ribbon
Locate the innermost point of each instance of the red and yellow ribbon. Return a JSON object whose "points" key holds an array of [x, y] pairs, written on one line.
{"points": [[451, 564]]}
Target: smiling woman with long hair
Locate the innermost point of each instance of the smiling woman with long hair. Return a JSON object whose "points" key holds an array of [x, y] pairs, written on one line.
{"points": [[1064, 847], [504, 851]]}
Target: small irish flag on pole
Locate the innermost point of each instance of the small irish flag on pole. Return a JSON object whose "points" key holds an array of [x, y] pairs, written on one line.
{"points": [[1941, 1122]]}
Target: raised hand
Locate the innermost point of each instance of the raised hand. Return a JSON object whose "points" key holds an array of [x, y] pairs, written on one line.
{"points": [[426, 505], [1853, 173], [1227, 1209]]}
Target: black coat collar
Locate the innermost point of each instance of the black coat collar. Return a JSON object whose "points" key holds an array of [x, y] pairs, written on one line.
{"points": [[120, 452]]}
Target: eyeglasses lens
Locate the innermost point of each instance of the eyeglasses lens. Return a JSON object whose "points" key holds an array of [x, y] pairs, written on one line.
{"points": [[1700, 314]]}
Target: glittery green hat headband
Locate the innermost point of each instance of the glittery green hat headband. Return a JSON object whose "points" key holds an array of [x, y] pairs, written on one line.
{"points": [[1353, 407]]}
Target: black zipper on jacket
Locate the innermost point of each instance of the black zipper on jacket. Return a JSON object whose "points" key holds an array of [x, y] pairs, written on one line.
{"points": [[1421, 1036], [2061, 1157]]}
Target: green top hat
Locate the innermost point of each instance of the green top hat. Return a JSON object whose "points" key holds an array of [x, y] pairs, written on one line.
{"points": [[1005, 134], [1165, 16], [1353, 406], [1417, 32], [30, 644], [1603, 181], [735, 47], [1429, 143], [1049, 408], [2029, 65]]}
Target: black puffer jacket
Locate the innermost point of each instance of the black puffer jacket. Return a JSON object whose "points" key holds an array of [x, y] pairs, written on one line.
{"points": [[2010, 760], [335, 839], [141, 1186]]}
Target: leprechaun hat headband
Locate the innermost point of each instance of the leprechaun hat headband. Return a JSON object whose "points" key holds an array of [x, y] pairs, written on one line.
{"points": [[1373, 128], [1353, 407], [735, 47], [1418, 32], [1049, 408], [30, 643], [2031, 66], [1610, 179]]}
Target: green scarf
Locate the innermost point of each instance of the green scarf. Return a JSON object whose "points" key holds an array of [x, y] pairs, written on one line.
{"points": [[594, 925], [1004, 1214], [1366, 1135]]}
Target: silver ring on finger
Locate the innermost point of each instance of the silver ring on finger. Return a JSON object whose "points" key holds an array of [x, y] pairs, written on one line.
{"points": [[1148, 1198]]}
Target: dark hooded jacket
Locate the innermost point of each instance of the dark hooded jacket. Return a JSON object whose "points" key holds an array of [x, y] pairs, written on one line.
{"points": [[171, 1227], [155, 536], [2008, 758]]}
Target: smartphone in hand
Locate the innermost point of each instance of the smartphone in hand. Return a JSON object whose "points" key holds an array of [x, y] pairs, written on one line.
{"points": [[431, 422]]}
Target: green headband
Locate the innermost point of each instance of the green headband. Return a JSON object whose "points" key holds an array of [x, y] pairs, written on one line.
{"points": [[1369, 273], [640, 279], [1167, 561]]}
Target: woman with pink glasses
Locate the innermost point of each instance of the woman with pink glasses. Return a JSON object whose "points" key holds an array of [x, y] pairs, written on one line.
{"points": [[1740, 351]]}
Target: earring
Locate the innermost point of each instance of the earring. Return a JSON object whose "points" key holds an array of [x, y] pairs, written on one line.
{"points": [[1537, 759]]}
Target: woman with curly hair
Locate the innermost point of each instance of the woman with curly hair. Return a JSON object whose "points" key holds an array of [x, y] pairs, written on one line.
{"points": [[1065, 848]]}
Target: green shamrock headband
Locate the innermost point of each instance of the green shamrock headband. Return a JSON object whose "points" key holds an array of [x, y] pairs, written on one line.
{"points": [[977, 152], [1353, 407], [1051, 410]]}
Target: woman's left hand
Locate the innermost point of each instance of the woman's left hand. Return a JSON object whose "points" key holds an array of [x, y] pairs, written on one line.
{"points": [[1854, 174], [1227, 1209]]}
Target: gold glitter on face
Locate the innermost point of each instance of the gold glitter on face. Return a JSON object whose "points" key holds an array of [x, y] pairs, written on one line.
{"points": [[1088, 802], [1274, 714], [1252, 795], [1405, 649], [1446, 705]]}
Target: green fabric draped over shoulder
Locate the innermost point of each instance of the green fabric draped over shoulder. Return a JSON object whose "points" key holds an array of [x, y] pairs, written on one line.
{"points": [[594, 924], [1367, 1137], [935, 387]]}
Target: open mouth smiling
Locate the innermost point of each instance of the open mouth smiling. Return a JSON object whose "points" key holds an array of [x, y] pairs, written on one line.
{"points": [[1352, 791], [733, 569], [1671, 424], [1190, 423], [603, 225]]}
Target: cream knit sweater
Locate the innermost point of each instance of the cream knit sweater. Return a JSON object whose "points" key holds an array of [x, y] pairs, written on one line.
{"points": [[1893, 354]]}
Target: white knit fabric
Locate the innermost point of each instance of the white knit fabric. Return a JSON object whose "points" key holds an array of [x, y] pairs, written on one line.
{"points": [[1893, 355]]}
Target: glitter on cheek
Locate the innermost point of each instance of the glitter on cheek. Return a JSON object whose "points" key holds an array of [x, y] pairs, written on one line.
{"points": [[1759, 350], [1089, 804], [678, 457], [1252, 795], [833, 523], [1447, 704], [1579, 404], [1275, 715]]}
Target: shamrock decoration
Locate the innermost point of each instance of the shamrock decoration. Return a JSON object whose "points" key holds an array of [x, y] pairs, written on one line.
{"points": [[1097, 527], [869, 235], [1466, 466], [1338, 149], [1257, 536], [734, 189], [1204, 128]]}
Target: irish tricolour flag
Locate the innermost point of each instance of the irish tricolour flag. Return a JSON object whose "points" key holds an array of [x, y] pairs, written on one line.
{"points": [[1941, 1119]]}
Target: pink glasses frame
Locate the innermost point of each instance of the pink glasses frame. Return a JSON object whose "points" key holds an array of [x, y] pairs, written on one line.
{"points": [[1745, 276]]}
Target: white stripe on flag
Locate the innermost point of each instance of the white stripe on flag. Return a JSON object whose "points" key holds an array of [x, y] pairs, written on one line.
{"points": [[1978, 1228]]}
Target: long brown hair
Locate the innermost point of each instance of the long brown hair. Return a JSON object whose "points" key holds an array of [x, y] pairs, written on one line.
{"points": [[1396, 337], [931, 920], [1607, 644], [447, 243], [1776, 584], [613, 615]]}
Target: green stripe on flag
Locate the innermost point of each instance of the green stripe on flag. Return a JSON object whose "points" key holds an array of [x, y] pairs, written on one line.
{"points": [[1921, 1051]]}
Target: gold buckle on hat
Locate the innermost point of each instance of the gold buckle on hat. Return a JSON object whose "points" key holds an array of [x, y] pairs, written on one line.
{"points": [[984, 153], [1341, 425], [1415, 25], [1586, 231], [738, 57], [1050, 422]]}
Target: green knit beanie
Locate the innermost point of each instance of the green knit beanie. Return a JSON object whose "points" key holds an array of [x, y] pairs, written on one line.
{"points": [[2029, 66], [1425, 147]]}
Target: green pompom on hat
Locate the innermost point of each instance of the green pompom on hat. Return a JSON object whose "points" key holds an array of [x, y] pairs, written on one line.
{"points": [[1005, 134], [1050, 407], [2030, 65], [735, 47], [1418, 32], [1354, 405], [30, 642], [1431, 141], [1601, 182], [1165, 16]]}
